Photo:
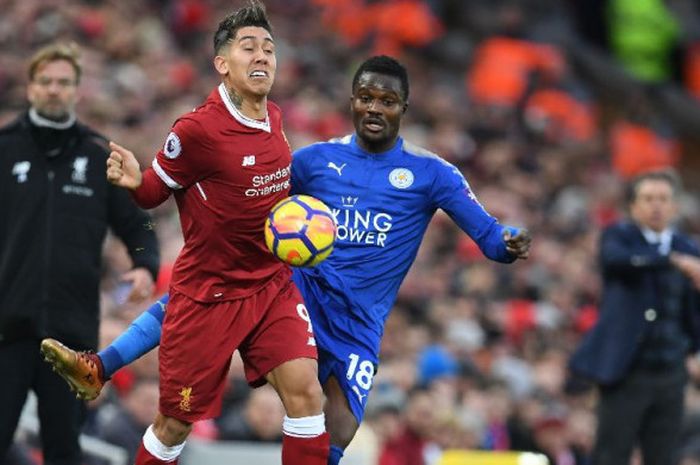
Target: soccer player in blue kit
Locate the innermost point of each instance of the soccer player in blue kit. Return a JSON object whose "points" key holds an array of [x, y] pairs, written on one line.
{"points": [[383, 191]]}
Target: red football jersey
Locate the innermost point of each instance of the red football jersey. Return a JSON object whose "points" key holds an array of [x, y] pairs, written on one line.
{"points": [[227, 171]]}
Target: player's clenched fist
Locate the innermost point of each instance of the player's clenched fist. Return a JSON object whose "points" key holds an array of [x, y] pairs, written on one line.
{"points": [[518, 244], [123, 169]]}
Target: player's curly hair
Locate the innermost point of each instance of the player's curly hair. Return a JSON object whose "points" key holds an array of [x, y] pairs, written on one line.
{"points": [[387, 65], [253, 14]]}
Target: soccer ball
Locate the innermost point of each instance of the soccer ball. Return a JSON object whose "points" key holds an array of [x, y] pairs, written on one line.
{"points": [[300, 230]]}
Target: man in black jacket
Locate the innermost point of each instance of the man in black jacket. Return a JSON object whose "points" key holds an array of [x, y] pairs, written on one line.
{"points": [[649, 322], [57, 206]]}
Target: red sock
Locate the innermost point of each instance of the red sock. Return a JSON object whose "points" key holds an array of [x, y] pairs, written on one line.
{"points": [[305, 451], [143, 457]]}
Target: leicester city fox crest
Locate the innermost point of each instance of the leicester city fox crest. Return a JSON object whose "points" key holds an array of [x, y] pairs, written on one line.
{"points": [[401, 178]]}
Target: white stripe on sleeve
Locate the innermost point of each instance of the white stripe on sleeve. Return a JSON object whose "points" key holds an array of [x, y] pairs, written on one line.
{"points": [[170, 182]]}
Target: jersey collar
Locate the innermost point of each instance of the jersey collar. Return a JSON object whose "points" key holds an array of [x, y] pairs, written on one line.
{"points": [[240, 117], [40, 121], [398, 146]]}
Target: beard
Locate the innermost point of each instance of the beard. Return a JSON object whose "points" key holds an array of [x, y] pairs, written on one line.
{"points": [[55, 111]]}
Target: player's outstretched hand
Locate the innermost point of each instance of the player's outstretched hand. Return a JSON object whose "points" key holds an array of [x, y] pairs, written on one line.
{"points": [[518, 245], [123, 169]]}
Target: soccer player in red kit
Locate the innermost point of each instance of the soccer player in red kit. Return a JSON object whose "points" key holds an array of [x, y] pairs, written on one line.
{"points": [[227, 163]]}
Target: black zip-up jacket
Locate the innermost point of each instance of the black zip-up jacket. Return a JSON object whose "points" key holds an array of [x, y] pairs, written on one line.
{"points": [[54, 215]]}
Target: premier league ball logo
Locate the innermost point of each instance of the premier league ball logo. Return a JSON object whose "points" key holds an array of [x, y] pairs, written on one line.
{"points": [[172, 146]]}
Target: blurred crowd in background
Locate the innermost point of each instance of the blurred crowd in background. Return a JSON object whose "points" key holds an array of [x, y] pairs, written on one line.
{"points": [[547, 107]]}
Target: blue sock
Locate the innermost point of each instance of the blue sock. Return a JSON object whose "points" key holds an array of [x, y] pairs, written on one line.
{"points": [[335, 455], [142, 336]]}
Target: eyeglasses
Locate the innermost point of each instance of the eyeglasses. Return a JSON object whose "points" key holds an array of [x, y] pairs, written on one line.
{"points": [[61, 82]]}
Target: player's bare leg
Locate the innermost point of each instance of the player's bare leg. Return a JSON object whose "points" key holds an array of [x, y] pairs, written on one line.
{"points": [[81, 370], [305, 440], [163, 441], [171, 431], [340, 421]]}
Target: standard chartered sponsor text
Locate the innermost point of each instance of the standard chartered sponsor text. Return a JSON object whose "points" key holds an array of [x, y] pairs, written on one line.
{"points": [[261, 182], [262, 179], [363, 227], [267, 190]]}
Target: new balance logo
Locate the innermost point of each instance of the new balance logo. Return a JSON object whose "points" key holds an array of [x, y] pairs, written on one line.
{"points": [[339, 169], [248, 160]]}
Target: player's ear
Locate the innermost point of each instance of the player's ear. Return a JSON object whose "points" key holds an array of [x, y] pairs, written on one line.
{"points": [[405, 108], [221, 65]]}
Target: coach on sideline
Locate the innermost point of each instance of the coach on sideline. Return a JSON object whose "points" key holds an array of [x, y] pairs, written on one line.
{"points": [[649, 322], [57, 206]]}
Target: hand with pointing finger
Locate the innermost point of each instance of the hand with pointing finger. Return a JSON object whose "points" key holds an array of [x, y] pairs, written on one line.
{"points": [[123, 169]]}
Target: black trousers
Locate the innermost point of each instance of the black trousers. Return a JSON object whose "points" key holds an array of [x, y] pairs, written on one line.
{"points": [[61, 415], [644, 409]]}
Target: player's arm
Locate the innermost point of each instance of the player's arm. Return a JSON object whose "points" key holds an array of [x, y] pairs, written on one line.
{"points": [[178, 165], [123, 170], [452, 193]]}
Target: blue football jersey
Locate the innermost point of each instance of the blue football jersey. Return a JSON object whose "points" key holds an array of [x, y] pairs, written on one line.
{"points": [[382, 204]]}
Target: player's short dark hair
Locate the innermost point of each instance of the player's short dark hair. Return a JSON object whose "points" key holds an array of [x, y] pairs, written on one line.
{"points": [[669, 176], [386, 65], [253, 14]]}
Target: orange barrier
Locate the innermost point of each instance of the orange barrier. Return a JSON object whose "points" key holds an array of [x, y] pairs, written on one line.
{"points": [[561, 116], [391, 24], [636, 149], [502, 66]]}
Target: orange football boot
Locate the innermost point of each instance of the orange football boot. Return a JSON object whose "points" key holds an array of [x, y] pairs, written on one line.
{"points": [[81, 370]]}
